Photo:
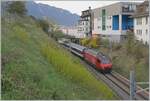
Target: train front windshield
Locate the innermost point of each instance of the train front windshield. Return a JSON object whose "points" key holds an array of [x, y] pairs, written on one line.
{"points": [[104, 59]]}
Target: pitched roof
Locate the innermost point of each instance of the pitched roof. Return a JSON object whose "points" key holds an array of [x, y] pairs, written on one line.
{"points": [[142, 10]]}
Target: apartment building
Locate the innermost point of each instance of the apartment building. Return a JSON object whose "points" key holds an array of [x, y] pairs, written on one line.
{"points": [[72, 31], [85, 23], [64, 29], [113, 21], [141, 22]]}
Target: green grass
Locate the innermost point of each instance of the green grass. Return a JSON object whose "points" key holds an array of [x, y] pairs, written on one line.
{"points": [[36, 67], [72, 69]]}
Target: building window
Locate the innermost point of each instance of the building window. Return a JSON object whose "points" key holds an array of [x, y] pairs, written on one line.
{"points": [[147, 8], [103, 19], [128, 8], [109, 17], [146, 31], [125, 8], [139, 32], [99, 27], [88, 18], [139, 21], [86, 23], [146, 19], [86, 29]]}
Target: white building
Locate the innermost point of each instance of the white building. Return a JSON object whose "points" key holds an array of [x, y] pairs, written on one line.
{"points": [[71, 31], [141, 22], [114, 20], [83, 28], [85, 24]]}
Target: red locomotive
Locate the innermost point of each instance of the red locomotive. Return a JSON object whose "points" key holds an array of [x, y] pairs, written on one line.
{"points": [[99, 60]]}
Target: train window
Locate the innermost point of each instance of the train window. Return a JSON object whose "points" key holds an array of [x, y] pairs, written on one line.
{"points": [[98, 60], [104, 59], [76, 50]]}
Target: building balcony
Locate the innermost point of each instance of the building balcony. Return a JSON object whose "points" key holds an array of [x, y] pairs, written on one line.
{"points": [[85, 15], [127, 10]]}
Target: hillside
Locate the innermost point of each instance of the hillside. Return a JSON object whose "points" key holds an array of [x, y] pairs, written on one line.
{"points": [[36, 67], [58, 15]]}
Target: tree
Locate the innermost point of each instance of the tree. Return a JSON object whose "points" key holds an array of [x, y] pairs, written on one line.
{"points": [[130, 42], [17, 7], [138, 51], [44, 25]]}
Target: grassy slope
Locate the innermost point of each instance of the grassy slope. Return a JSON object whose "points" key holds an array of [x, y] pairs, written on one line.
{"points": [[30, 70]]}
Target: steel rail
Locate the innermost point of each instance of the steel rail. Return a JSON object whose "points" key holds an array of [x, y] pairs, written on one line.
{"points": [[124, 80], [116, 82]]}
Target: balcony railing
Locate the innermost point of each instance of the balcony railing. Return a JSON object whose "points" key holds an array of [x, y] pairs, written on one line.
{"points": [[127, 9]]}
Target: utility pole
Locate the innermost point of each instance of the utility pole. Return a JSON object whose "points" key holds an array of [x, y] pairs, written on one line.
{"points": [[110, 46], [132, 85]]}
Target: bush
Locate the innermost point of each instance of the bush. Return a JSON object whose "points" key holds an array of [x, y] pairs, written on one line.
{"points": [[85, 41], [90, 42], [94, 43], [17, 7], [44, 25], [57, 34], [116, 46], [138, 51], [105, 43]]}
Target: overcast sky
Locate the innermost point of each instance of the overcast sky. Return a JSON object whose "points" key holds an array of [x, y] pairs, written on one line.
{"points": [[78, 6]]}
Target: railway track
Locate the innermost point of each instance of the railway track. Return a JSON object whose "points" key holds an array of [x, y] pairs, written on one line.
{"points": [[126, 82], [117, 83]]}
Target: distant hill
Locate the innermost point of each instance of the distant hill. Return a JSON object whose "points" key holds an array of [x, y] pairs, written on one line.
{"points": [[58, 15]]}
